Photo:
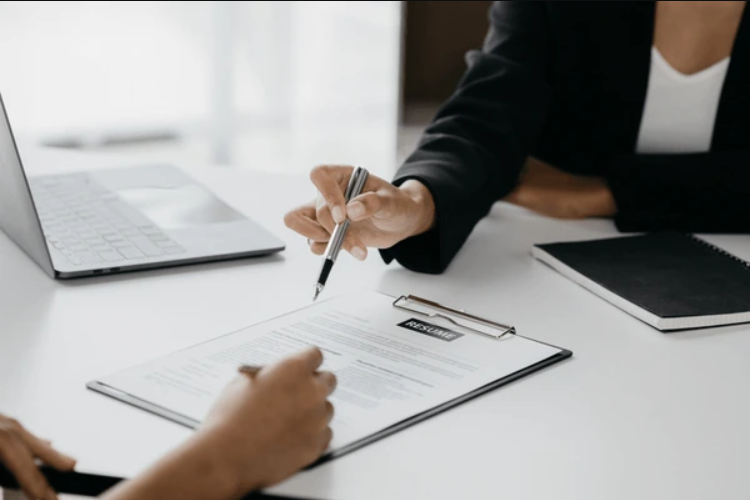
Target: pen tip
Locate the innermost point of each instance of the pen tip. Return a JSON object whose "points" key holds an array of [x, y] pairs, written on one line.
{"points": [[318, 289]]}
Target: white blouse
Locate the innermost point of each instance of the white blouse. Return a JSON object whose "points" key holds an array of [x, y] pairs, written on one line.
{"points": [[680, 110]]}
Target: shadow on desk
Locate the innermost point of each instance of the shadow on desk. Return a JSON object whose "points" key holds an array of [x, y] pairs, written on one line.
{"points": [[144, 274], [705, 332]]}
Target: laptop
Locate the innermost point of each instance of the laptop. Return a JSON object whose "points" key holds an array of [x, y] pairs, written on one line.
{"points": [[119, 220]]}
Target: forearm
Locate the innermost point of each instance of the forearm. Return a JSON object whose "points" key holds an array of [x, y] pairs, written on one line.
{"points": [[194, 471], [472, 152], [704, 192]]}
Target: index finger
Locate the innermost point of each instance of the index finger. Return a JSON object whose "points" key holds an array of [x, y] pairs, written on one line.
{"points": [[328, 180], [20, 462], [46, 452]]}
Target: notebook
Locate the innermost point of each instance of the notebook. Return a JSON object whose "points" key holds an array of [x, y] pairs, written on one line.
{"points": [[670, 280]]}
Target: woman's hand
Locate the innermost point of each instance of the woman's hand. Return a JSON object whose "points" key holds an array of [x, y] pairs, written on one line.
{"points": [[267, 426], [552, 192], [380, 217], [262, 429], [19, 450]]}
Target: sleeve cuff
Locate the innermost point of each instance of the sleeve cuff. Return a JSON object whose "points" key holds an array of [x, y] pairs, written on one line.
{"points": [[421, 253]]}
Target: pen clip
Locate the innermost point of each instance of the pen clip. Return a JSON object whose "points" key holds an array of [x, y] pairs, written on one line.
{"points": [[352, 182], [356, 183], [457, 317]]}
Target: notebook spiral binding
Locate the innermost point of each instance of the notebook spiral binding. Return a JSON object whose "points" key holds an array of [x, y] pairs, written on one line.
{"points": [[719, 250]]}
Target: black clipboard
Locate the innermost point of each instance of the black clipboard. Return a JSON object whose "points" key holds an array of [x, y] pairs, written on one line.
{"points": [[72, 483], [93, 485], [87, 484], [477, 324]]}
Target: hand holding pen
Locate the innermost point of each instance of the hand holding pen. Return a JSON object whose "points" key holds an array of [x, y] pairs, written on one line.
{"points": [[357, 181], [382, 215]]}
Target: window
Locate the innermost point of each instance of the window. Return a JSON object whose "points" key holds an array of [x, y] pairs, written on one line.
{"points": [[270, 85]]}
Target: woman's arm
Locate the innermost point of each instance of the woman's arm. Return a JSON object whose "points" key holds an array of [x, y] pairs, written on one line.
{"points": [[263, 429], [701, 192], [550, 191], [195, 471], [471, 154]]}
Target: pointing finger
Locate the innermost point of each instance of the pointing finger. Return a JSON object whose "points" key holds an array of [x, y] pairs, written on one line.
{"points": [[43, 450], [325, 179], [323, 215], [301, 222]]}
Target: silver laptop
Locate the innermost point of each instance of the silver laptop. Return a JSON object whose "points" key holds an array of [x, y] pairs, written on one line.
{"points": [[119, 220]]}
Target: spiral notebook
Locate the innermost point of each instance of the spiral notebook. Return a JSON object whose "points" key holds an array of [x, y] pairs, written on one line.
{"points": [[670, 280]]}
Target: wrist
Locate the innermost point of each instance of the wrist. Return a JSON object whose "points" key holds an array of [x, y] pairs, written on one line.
{"points": [[602, 201], [197, 470], [221, 467], [424, 206]]}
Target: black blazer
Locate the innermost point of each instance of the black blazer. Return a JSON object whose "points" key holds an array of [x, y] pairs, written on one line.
{"points": [[566, 82]]}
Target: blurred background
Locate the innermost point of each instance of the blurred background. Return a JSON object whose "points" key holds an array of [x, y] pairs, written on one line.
{"points": [[269, 85]]}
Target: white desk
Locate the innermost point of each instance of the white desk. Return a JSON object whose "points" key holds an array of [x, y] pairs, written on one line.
{"points": [[634, 414]]}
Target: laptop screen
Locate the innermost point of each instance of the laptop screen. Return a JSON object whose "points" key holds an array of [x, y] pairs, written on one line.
{"points": [[18, 215]]}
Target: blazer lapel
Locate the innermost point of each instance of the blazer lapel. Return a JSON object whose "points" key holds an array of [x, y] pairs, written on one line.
{"points": [[732, 124], [625, 55]]}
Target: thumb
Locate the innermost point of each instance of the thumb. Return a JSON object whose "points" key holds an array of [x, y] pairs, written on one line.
{"points": [[369, 205]]}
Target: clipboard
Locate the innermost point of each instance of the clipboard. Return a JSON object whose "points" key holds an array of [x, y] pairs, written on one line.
{"points": [[478, 325], [92, 485], [418, 307]]}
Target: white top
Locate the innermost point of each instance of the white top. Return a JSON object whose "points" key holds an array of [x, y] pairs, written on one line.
{"points": [[680, 109]]}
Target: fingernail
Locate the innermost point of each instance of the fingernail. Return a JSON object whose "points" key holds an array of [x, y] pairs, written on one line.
{"points": [[359, 253], [338, 215], [51, 495], [356, 209]]}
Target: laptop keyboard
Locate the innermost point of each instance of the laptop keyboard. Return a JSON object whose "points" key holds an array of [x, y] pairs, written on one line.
{"points": [[80, 220]]}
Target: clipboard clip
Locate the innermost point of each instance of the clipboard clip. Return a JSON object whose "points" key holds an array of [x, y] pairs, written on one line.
{"points": [[458, 317]]}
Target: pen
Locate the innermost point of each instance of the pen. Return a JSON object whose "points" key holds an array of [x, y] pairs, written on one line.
{"points": [[250, 369], [356, 183]]}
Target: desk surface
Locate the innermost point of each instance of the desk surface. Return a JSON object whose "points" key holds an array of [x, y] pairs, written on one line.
{"points": [[634, 414]]}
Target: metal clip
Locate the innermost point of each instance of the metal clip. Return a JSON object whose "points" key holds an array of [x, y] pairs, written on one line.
{"points": [[457, 317]]}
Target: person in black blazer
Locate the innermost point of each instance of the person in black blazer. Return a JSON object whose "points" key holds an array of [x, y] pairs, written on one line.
{"points": [[635, 111]]}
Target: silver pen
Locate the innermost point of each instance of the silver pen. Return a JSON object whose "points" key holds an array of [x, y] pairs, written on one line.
{"points": [[356, 184]]}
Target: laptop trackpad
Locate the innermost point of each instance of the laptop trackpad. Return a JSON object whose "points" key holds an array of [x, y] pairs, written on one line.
{"points": [[174, 207]]}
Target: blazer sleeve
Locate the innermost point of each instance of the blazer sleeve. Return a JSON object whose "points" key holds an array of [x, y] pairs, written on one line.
{"points": [[472, 152], [700, 193]]}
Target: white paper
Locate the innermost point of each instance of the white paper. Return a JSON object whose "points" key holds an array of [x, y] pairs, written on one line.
{"points": [[386, 372]]}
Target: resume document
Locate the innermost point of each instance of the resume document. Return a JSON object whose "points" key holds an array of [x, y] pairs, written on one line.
{"points": [[391, 365]]}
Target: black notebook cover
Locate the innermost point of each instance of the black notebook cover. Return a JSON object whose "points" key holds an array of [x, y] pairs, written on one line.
{"points": [[670, 280]]}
